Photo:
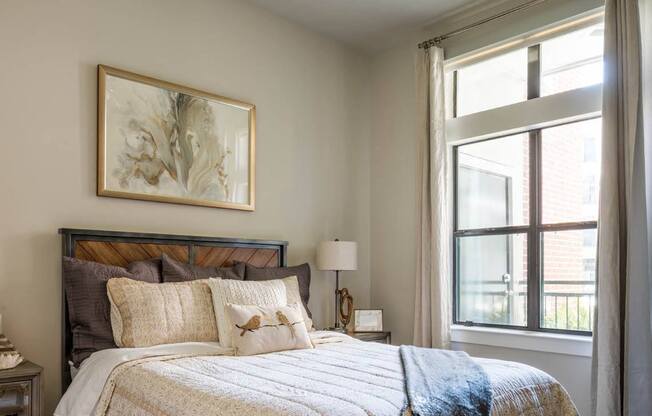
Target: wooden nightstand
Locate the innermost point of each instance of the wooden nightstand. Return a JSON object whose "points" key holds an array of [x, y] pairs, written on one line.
{"points": [[21, 390], [384, 337]]}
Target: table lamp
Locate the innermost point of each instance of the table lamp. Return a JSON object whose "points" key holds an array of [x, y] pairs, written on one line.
{"points": [[337, 256]]}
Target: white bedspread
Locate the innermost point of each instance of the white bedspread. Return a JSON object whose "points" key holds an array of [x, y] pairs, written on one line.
{"points": [[341, 376], [87, 386]]}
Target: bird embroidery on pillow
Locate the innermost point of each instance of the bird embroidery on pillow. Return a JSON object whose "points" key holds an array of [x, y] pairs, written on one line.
{"points": [[251, 325], [285, 321]]}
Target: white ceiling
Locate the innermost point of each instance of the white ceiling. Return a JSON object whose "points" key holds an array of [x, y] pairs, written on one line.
{"points": [[366, 24]]}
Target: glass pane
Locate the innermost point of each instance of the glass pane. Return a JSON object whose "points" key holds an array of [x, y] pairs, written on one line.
{"points": [[572, 61], [491, 279], [569, 266], [493, 182], [571, 172], [492, 83]]}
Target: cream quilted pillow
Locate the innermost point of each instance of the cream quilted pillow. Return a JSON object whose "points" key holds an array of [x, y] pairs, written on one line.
{"points": [[261, 329], [259, 293], [294, 296], [145, 314]]}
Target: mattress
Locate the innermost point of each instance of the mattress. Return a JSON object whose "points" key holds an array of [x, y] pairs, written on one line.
{"points": [[341, 376]]}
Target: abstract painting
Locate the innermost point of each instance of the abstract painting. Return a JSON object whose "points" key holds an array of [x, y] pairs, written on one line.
{"points": [[160, 141]]}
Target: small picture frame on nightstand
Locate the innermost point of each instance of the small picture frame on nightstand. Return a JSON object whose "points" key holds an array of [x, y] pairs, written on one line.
{"points": [[368, 320]]}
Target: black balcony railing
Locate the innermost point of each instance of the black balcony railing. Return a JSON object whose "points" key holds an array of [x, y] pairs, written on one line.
{"points": [[571, 309], [565, 304]]}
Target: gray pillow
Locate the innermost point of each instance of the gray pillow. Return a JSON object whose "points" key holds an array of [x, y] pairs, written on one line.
{"points": [[88, 304], [302, 272], [150, 270], [176, 271]]}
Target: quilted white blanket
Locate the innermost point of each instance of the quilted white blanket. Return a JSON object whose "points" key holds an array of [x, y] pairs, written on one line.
{"points": [[341, 376]]}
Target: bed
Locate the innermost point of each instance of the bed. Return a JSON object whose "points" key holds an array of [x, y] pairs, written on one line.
{"points": [[340, 376]]}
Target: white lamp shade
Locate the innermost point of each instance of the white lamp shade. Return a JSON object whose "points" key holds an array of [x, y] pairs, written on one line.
{"points": [[337, 255]]}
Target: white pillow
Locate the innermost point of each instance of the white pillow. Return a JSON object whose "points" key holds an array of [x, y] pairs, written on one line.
{"points": [[239, 292], [261, 329], [294, 296]]}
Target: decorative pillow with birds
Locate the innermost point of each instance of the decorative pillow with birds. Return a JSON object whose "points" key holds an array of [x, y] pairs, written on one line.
{"points": [[237, 292], [262, 329]]}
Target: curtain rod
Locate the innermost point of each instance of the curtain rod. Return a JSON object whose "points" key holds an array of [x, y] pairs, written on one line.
{"points": [[437, 39]]}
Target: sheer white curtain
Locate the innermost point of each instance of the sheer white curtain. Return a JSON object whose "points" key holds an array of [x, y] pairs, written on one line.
{"points": [[433, 289], [622, 344]]}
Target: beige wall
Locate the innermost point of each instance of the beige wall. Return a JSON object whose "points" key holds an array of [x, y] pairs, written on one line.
{"points": [[393, 190], [312, 149]]}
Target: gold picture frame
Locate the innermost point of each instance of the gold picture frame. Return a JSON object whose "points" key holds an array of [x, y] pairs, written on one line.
{"points": [[190, 161]]}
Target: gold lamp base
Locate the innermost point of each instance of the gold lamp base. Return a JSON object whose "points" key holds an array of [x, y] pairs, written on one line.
{"points": [[346, 301]]}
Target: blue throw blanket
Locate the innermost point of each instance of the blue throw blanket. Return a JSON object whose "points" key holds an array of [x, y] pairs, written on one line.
{"points": [[445, 383]]}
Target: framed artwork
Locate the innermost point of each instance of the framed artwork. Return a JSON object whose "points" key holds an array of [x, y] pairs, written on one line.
{"points": [[159, 141], [368, 320]]}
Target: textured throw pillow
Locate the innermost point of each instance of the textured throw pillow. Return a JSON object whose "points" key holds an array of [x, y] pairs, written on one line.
{"points": [[146, 314], [148, 270], [294, 296], [261, 329], [302, 272], [176, 271], [88, 306], [270, 293]]}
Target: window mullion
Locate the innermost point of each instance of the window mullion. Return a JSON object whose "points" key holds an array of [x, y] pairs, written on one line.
{"points": [[568, 226], [534, 236], [509, 229], [534, 239], [456, 285], [533, 72]]}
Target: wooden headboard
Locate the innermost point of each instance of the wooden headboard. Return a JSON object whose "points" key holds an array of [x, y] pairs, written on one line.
{"points": [[121, 248]]}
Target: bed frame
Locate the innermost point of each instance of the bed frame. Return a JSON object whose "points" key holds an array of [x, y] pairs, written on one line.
{"points": [[121, 248]]}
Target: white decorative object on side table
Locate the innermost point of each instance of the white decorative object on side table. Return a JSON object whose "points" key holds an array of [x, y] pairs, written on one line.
{"points": [[9, 357], [368, 320]]}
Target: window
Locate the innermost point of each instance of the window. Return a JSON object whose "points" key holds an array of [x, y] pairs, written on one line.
{"points": [[526, 203], [559, 64], [572, 61], [492, 83]]}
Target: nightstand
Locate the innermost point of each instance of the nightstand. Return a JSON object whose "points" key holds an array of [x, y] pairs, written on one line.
{"points": [[384, 337], [21, 390]]}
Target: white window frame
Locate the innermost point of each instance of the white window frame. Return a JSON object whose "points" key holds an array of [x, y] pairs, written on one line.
{"points": [[536, 113]]}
